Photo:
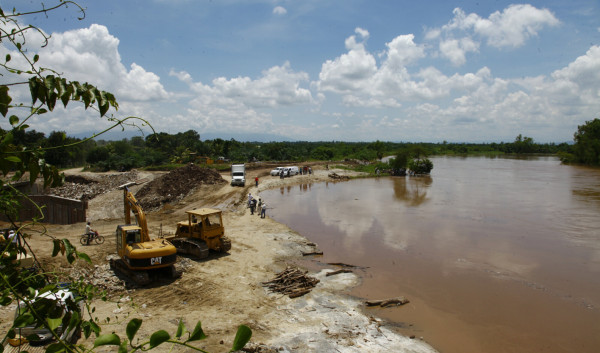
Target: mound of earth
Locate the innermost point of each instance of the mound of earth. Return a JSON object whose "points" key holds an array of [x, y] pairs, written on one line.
{"points": [[86, 187], [176, 185]]}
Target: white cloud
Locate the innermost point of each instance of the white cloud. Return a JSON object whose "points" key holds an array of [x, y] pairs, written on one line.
{"points": [[455, 50], [92, 55], [509, 28], [279, 10], [242, 103], [350, 71]]}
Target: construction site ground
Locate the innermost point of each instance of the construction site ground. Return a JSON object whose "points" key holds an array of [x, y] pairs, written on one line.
{"points": [[222, 291]]}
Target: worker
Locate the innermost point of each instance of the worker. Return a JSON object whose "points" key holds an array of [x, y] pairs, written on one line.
{"points": [[89, 232], [259, 206], [256, 181], [263, 209], [252, 206], [13, 237]]}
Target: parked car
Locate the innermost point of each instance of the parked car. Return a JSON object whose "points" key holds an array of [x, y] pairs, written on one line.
{"points": [[276, 171], [65, 305]]}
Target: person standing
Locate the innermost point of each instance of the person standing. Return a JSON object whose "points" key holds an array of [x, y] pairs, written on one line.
{"points": [[252, 206], [249, 199], [256, 181], [263, 209], [13, 237], [259, 206]]}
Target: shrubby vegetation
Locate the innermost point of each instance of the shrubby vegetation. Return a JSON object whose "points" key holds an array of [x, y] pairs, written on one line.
{"points": [[162, 149], [586, 149]]}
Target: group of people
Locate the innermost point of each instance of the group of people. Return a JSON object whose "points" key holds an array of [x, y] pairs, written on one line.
{"points": [[260, 205], [13, 237]]}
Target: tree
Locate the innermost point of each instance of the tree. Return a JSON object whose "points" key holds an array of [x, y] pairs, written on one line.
{"points": [[47, 88], [587, 143]]}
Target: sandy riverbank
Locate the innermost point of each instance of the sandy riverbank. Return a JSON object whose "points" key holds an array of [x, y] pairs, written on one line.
{"points": [[226, 291]]}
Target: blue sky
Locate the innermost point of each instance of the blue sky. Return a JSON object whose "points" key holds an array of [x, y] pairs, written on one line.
{"points": [[463, 71]]}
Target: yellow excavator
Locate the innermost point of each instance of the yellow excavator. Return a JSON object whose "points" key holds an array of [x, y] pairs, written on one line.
{"points": [[201, 232], [140, 257]]}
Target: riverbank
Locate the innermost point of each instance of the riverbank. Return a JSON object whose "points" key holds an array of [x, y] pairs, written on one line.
{"points": [[225, 291]]}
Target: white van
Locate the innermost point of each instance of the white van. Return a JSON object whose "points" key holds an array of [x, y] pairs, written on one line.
{"points": [[293, 170]]}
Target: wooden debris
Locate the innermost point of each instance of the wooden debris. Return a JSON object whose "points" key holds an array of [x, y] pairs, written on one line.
{"points": [[387, 302], [312, 253], [338, 177], [341, 264], [292, 282], [337, 272]]}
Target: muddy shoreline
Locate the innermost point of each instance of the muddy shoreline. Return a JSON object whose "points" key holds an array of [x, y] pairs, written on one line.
{"points": [[225, 291]]}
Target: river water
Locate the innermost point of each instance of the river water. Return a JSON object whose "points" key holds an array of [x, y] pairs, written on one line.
{"points": [[494, 254]]}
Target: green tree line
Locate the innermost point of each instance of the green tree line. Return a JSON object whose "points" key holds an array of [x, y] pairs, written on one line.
{"points": [[162, 149]]}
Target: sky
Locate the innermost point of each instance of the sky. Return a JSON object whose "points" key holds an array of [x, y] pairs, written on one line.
{"points": [[316, 70]]}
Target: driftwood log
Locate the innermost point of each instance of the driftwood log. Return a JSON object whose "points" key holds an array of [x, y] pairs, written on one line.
{"points": [[312, 253], [292, 282], [337, 272], [338, 177], [387, 302]]}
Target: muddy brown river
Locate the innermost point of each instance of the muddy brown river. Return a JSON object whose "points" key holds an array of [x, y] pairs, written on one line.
{"points": [[494, 254]]}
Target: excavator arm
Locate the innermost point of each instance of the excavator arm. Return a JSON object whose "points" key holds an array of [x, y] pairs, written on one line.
{"points": [[130, 204]]}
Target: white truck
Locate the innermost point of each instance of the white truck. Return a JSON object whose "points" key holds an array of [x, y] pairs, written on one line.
{"points": [[238, 174]]}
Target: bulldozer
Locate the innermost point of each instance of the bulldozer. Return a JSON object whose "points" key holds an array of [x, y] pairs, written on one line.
{"points": [[203, 231], [139, 257]]}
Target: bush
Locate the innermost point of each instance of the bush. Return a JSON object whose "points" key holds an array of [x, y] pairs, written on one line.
{"points": [[420, 166]]}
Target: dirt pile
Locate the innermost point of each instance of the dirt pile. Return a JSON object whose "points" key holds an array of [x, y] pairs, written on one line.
{"points": [[176, 185], [84, 187]]}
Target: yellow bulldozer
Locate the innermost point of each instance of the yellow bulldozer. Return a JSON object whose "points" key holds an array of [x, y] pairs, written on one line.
{"points": [[140, 257], [203, 231]]}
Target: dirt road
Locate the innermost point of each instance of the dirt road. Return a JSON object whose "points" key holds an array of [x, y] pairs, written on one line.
{"points": [[225, 291]]}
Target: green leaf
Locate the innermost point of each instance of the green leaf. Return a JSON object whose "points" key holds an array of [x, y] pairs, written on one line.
{"points": [[158, 338], [24, 320], [122, 347], [132, 328], [54, 323], [55, 348], [33, 89], [8, 57], [198, 334], [180, 329], [34, 171], [84, 257], [56, 248], [14, 159], [110, 339], [242, 337], [5, 100], [35, 58], [13, 120]]}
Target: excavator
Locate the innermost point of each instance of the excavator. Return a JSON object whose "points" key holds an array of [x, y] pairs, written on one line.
{"points": [[140, 258], [203, 231]]}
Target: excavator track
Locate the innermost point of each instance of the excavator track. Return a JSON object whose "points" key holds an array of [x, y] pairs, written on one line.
{"points": [[191, 246], [140, 278], [144, 277]]}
